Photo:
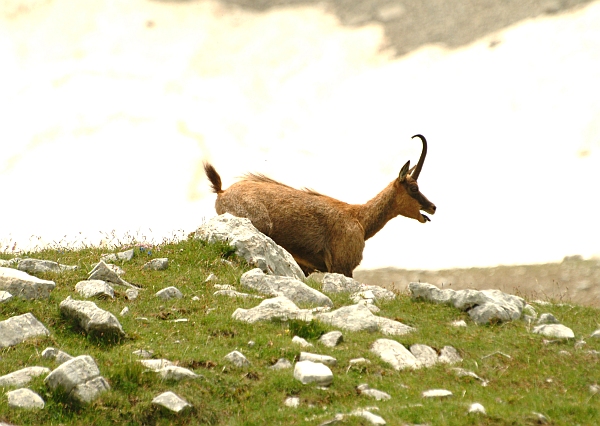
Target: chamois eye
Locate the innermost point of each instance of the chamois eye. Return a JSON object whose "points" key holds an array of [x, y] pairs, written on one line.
{"points": [[414, 189]]}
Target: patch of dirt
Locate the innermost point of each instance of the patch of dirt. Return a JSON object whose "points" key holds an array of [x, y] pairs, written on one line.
{"points": [[574, 280]]}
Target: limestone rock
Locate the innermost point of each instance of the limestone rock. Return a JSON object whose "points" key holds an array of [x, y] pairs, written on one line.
{"points": [[279, 307], [395, 354], [79, 377], [95, 288], [476, 408], [237, 359], [352, 318], [483, 306], [554, 330], [547, 319], [173, 372], [426, 355], [143, 353], [169, 293], [126, 255], [91, 318], [22, 377], [24, 398], [300, 341], [251, 244], [155, 364], [21, 284], [171, 401], [338, 283], [364, 389], [292, 401], [34, 266], [323, 359], [393, 328], [292, 288], [55, 354], [17, 329], [449, 355], [105, 272], [159, 264], [331, 339], [436, 393], [374, 419], [131, 294], [313, 372], [281, 364], [233, 293], [5, 296]]}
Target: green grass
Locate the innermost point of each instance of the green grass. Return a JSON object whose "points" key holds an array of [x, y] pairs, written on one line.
{"points": [[536, 377]]}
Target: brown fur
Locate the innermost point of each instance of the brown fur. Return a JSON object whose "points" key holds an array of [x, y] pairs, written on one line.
{"points": [[321, 233]]}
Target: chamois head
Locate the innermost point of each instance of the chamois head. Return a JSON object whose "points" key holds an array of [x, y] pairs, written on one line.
{"points": [[406, 184]]}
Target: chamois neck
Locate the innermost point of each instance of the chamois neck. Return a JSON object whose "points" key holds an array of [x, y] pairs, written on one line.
{"points": [[375, 213]]}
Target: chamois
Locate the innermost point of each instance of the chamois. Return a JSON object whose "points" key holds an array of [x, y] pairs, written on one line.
{"points": [[320, 232]]}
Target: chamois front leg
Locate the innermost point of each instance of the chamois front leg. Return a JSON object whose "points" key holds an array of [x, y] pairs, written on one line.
{"points": [[346, 248]]}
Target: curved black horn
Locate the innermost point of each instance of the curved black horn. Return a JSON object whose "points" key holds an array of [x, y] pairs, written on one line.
{"points": [[419, 166]]}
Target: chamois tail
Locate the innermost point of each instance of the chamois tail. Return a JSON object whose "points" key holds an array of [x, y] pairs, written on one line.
{"points": [[214, 178]]}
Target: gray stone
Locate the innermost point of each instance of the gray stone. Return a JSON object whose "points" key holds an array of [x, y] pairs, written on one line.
{"points": [[426, 355], [10, 262], [159, 264], [24, 398], [338, 283], [449, 355], [301, 341], [131, 294], [237, 359], [436, 393], [331, 339], [393, 328], [91, 318], [374, 419], [281, 364], [5, 296], [34, 266], [155, 364], [352, 318], [313, 372], [173, 372], [554, 330], [476, 408], [79, 377], [17, 329], [90, 390], [126, 255], [292, 402], [233, 293], [143, 353], [596, 334], [364, 389], [251, 244], [105, 272], [171, 402], [22, 377], [21, 284], [169, 293], [292, 288], [276, 308], [95, 288], [55, 354], [547, 319], [323, 359], [483, 306], [394, 354]]}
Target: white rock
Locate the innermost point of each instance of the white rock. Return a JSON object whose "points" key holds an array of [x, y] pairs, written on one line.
{"points": [[21, 284], [596, 334], [251, 244], [211, 277], [224, 287], [94, 288], [233, 293], [159, 264], [331, 339], [55, 354], [126, 255], [395, 354], [22, 377], [34, 266], [313, 372], [79, 377], [547, 318], [323, 359], [353, 318], [281, 364], [278, 307], [124, 311], [359, 361], [374, 419], [476, 408], [169, 293], [292, 288], [393, 328], [300, 341], [105, 272], [5, 296], [436, 393], [292, 401], [458, 323], [155, 364], [364, 389], [143, 353], [17, 329], [91, 318], [426, 355], [131, 294], [171, 401], [554, 330], [90, 390], [237, 359], [173, 372], [24, 398], [449, 355], [338, 283]]}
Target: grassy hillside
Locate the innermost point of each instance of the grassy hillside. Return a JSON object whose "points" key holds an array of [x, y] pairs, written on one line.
{"points": [[552, 378]]}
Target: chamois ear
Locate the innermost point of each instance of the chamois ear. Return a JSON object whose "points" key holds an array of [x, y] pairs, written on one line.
{"points": [[404, 171]]}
